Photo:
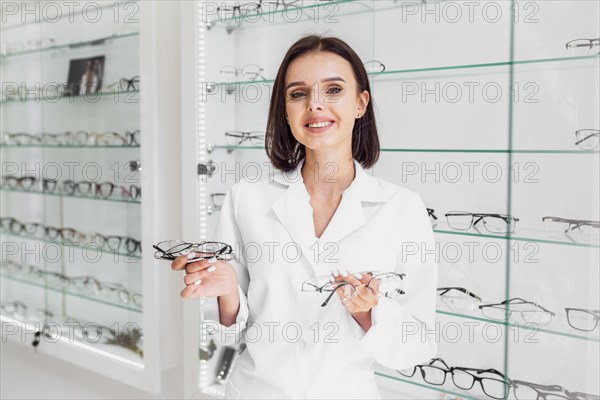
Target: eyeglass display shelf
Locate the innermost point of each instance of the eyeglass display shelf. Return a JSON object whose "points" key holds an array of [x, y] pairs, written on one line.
{"points": [[69, 146], [69, 244], [102, 41], [55, 18], [55, 99], [75, 294], [70, 196], [405, 150], [558, 319], [391, 73]]}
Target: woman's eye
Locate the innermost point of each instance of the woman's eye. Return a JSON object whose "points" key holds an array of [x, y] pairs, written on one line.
{"points": [[296, 95], [334, 90]]}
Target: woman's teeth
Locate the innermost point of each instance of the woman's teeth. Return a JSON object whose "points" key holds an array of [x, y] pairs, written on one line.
{"points": [[320, 124]]}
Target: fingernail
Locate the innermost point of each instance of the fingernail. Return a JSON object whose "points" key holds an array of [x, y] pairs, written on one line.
{"points": [[212, 260], [334, 272], [211, 269], [199, 281], [191, 255], [343, 272], [358, 275]]}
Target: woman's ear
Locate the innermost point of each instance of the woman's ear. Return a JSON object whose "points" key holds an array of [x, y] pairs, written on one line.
{"points": [[363, 102]]}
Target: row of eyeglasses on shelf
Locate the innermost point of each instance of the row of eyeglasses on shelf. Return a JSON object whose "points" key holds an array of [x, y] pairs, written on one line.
{"points": [[86, 285], [462, 300], [129, 335], [100, 190], [15, 91], [36, 230], [492, 382], [575, 230], [70, 138]]}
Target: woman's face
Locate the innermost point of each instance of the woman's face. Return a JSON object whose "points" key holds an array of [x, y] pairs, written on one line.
{"points": [[322, 101]]}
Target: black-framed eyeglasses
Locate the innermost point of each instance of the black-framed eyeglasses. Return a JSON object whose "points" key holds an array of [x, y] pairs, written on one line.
{"points": [[458, 298], [495, 387], [587, 139], [574, 229], [226, 11], [434, 372], [374, 66], [388, 284], [171, 249], [117, 243], [250, 71], [533, 391], [530, 313], [237, 138], [493, 223], [583, 319]]}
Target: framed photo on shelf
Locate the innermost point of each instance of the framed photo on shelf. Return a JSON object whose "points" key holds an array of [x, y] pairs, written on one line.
{"points": [[85, 76]]}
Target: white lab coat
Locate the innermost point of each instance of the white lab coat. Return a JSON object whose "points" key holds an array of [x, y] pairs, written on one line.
{"points": [[296, 348]]}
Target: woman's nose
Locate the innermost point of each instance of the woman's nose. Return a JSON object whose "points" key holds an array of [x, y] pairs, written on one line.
{"points": [[315, 102]]}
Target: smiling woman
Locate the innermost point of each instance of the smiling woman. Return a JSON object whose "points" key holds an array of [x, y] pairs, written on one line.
{"points": [[345, 230]]}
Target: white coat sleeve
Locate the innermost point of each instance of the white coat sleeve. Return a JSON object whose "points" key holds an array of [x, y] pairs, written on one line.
{"points": [[402, 332], [228, 231]]}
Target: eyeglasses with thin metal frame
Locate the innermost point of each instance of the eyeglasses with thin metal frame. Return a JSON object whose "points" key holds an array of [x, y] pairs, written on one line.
{"points": [[573, 229], [237, 138], [171, 249], [583, 44], [495, 387], [374, 66], [129, 339], [587, 139], [434, 372], [583, 319], [386, 284], [493, 223], [533, 391], [69, 138], [250, 71], [532, 313], [458, 298]]}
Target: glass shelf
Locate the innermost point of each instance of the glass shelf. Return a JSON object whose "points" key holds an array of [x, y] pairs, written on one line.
{"points": [[75, 294], [391, 73], [400, 150], [82, 246], [74, 45], [546, 329], [94, 97], [426, 386], [71, 196], [70, 146]]}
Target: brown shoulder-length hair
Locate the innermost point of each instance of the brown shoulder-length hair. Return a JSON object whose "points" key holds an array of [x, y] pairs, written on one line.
{"points": [[282, 148]]}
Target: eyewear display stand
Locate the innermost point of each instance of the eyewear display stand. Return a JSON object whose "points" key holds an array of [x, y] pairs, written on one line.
{"points": [[491, 119]]}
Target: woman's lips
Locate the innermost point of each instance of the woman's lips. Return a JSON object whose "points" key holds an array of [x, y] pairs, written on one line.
{"points": [[319, 130]]}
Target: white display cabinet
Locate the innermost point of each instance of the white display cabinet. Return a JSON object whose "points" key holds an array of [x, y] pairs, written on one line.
{"points": [[477, 111]]}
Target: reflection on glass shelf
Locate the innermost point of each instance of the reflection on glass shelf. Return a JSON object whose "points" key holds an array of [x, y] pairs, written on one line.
{"points": [[559, 326], [438, 389], [75, 294], [74, 45], [406, 150], [121, 96], [392, 74], [71, 195], [87, 247], [70, 146]]}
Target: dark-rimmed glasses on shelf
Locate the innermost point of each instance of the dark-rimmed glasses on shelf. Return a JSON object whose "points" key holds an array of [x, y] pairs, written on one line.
{"points": [[434, 372], [465, 378], [587, 139], [530, 312], [534, 391], [171, 249], [374, 66], [226, 11], [237, 138], [573, 229], [388, 284], [493, 223], [117, 243], [250, 71], [577, 44], [458, 298], [583, 319]]}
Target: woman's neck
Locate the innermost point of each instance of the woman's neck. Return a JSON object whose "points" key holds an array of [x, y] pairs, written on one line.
{"points": [[326, 177]]}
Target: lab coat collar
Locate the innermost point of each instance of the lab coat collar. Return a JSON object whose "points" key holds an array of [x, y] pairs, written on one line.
{"points": [[294, 211]]}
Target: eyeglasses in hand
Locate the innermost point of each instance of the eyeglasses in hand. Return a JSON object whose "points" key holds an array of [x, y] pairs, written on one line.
{"points": [[576, 230], [171, 249], [388, 284], [493, 223], [530, 312]]}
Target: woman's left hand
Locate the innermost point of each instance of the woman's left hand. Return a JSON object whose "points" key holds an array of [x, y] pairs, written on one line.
{"points": [[365, 298]]}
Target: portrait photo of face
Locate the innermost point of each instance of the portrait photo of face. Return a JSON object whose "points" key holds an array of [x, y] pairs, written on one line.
{"points": [[85, 76]]}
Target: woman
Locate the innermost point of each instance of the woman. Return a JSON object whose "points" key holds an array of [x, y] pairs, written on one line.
{"points": [[320, 214]]}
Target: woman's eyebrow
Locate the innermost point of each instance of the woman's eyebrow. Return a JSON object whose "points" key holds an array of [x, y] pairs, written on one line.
{"points": [[302, 83]]}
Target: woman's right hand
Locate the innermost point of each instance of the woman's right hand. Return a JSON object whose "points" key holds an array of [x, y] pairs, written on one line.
{"points": [[207, 278]]}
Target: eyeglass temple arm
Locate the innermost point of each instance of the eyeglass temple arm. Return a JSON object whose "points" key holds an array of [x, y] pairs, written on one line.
{"points": [[447, 289], [332, 293]]}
